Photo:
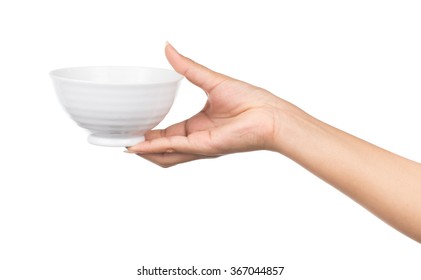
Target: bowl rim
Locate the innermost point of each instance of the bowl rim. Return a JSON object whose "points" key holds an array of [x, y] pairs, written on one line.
{"points": [[54, 75]]}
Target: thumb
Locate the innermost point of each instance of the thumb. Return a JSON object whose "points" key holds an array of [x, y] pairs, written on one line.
{"points": [[194, 72]]}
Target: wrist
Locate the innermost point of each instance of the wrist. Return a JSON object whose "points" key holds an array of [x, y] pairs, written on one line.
{"points": [[291, 127]]}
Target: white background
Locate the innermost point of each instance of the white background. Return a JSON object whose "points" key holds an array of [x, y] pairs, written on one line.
{"points": [[70, 210]]}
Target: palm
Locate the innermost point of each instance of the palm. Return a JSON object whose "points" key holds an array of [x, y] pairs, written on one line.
{"points": [[234, 119]]}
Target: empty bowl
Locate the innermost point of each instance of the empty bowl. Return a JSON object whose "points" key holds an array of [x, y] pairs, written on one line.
{"points": [[117, 105]]}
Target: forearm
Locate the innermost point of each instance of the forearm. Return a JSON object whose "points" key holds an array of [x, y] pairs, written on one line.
{"points": [[386, 184]]}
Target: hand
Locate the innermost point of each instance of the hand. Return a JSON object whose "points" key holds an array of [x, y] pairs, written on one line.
{"points": [[237, 117]]}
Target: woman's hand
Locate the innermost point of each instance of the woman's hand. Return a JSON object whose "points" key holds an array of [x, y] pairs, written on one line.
{"points": [[237, 117]]}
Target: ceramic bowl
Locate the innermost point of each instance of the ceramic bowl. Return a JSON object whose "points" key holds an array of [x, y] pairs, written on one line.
{"points": [[117, 105]]}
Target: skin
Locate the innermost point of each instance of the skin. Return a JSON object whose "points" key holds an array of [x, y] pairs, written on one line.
{"points": [[240, 117]]}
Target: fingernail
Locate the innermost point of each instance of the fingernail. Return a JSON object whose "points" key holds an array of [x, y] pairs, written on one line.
{"points": [[130, 152], [168, 44]]}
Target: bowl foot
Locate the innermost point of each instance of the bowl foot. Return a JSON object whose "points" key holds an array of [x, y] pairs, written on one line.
{"points": [[115, 141]]}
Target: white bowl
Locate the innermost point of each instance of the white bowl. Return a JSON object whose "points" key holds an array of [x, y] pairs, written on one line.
{"points": [[116, 104]]}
